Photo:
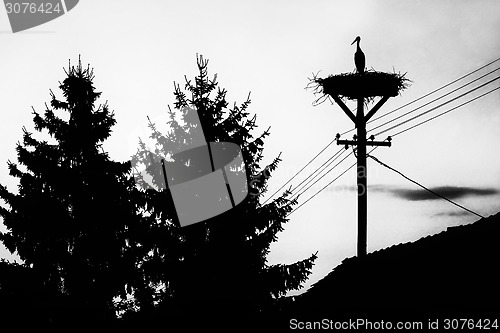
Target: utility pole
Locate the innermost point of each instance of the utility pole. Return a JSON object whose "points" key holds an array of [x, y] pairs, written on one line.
{"points": [[361, 142], [359, 86]]}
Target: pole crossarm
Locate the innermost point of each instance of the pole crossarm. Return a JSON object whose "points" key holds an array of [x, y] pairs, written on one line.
{"points": [[344, 108], [376, 107], [368, 143]]}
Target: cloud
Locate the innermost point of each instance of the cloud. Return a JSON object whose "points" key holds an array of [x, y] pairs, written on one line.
{"points": [[450, 192], [458, 213]]}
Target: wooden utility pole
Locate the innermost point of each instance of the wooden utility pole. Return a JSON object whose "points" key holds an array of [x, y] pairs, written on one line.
{"points": [[359, 86], [361, 142]]}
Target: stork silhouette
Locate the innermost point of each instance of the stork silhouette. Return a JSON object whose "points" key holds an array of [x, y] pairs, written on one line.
{"points": [[359, 57]]}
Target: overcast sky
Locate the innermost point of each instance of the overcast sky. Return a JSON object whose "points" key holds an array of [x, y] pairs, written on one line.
{"points": [[138, 48]]}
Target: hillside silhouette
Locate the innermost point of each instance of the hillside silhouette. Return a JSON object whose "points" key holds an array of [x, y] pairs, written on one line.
{"points": [[450, 273]]}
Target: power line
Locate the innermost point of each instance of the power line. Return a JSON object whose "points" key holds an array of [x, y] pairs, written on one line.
{"points": [[436, 107], [436, 116], [399, 108], [317, 180], [331, 182], [422, 186], [315, 194], [413, 118], [282, 186], [307, 164], [438, 98], [434, 91], [326, 164], [423, 122], [405, 130]]}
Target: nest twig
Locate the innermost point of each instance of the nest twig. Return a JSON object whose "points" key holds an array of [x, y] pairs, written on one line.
{"points": [[354, 85]]}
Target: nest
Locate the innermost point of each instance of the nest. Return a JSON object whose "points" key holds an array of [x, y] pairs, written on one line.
{"points": [[354, 85]]}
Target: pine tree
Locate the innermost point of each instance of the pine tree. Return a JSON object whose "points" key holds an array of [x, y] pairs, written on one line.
{"points": [[219, 265], [74, 211]]}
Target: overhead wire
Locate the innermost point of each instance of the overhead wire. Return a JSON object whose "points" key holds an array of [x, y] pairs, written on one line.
{"points": [[315, 194], [305, 166], [345, 171], [329, 161], [445, 112], [427, 120], [422, 186], [430, 93], [406, 121], [323, 166], [295, 175], [436, 99], [317, 180], [329, 183], [441, 105], [434, 91]]}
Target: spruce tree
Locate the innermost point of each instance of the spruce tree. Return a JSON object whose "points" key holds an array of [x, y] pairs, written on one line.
{"points": [[218, 266], [71, 218]]}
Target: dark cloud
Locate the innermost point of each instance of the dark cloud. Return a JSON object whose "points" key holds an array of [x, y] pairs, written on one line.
{"points": [[450, 192], [457, 213], [419, 194]]}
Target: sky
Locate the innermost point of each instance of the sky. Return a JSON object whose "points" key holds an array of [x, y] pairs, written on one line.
{"points": [[271, 48]]}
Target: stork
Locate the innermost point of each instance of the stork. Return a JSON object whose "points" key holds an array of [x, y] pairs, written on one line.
{"points": [[359, 57]]}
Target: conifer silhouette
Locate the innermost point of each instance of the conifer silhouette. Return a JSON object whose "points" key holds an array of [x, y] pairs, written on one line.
{"points": [[218, 266], [95, 242], [74, 211]]}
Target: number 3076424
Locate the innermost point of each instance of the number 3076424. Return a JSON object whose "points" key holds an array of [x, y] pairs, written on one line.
{"points": [[32, 8]]}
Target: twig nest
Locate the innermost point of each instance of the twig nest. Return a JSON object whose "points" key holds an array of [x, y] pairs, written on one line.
{"points": [[355, 85]]}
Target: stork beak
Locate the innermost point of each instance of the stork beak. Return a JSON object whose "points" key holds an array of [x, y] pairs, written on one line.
{"points": [[354, 41]]}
